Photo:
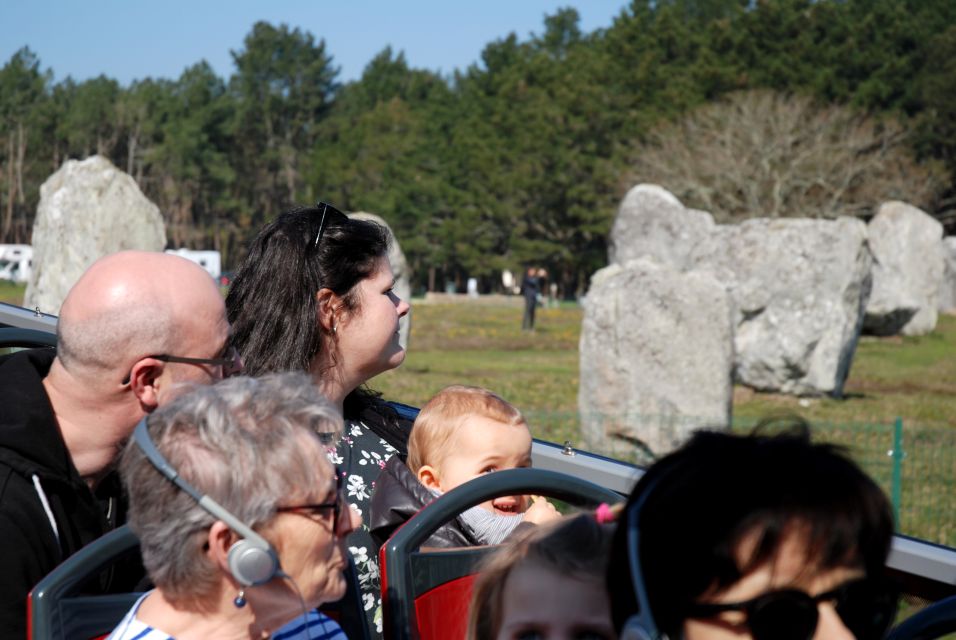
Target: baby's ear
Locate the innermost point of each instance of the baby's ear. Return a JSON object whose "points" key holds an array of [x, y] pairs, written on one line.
{"points": [[429, 477]]}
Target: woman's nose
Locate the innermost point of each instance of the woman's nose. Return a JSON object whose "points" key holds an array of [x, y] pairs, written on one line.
{"points": [[830, 625], [402, 307]]}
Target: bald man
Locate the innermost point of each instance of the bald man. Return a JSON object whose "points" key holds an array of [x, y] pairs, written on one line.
{"points": [[135, 330]]}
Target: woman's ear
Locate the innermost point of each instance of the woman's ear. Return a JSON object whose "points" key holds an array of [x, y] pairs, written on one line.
{"points": [[218, 542], [429, 477], [327, 303]]}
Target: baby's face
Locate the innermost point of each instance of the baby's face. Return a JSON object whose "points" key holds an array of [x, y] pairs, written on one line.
{"points": [[481, 446]]}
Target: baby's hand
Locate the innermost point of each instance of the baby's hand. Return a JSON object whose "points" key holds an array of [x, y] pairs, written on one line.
{"points": [[540, 511]]}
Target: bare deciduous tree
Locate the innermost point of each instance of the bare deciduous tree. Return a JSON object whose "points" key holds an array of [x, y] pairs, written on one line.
{"points": [[760, 153]]}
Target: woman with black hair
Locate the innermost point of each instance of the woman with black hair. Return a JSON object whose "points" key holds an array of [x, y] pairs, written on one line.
{"points": [[762, 537], [315, 294]]}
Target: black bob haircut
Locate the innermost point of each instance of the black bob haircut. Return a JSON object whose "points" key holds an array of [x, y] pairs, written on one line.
{"points": [[272, 304], [718, 488]]}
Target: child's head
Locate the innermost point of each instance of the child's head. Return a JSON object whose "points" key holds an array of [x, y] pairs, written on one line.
{"points": [[548, 584], [464, 432]]}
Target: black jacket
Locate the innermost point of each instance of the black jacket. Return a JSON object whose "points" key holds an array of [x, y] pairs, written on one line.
{"points": [[35, 466], [398, 495]]}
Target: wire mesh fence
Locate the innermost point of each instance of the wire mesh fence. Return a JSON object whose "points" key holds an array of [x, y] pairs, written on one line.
{"points": [[915, 465]]}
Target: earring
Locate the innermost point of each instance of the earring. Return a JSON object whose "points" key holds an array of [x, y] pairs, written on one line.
{"points": [[240, 600], [335, 328]]}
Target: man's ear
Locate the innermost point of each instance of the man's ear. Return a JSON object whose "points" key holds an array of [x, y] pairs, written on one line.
{"points": [[429, 477], [145, 380], [327, 303]]}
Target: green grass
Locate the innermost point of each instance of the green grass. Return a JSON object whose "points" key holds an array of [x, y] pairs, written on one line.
{"points": [[11, 292], [911, 378]]}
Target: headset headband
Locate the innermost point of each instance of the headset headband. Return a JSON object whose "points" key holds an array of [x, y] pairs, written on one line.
{"points": [[251, 560]]}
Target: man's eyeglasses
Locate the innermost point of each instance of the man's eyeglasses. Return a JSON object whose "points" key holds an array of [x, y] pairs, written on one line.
{"points": [[329, 215], [230, 362], [336, 505], [867, 608]]}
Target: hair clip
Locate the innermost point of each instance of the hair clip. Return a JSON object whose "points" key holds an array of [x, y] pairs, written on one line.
{"points": [[606, 514]]}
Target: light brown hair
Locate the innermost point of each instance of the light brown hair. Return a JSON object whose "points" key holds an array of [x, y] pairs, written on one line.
{"points": [[445, 413], [575, 546]]}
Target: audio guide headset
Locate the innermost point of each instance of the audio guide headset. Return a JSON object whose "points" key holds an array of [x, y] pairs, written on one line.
{"points": [[252, 560], [641, 625]]}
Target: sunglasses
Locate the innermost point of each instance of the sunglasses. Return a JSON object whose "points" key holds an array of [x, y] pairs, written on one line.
{"points": [[230, 362], [322, 509], [329, 215], [867, 608]]}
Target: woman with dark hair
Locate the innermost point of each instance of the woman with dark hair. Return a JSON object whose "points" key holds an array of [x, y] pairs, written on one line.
{"points": [[315, 294], [764, 537]]}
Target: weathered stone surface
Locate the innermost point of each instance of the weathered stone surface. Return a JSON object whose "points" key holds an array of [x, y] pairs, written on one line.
{"points": [[403, 273], [88, 209], [799, 287], [651, 222], [656, 357], [947, 287], [907, 271]]}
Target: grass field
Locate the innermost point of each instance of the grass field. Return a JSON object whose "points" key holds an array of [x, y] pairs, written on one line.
{"points": [[911, 378]]}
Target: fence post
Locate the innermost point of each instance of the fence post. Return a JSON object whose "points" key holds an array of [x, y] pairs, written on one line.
{"points": [[897, 453]]}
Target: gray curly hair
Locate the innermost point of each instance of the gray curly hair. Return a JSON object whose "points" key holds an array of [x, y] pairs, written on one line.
{"points": [[245, 442]]}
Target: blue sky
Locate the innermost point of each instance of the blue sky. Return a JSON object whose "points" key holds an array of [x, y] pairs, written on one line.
{"points": [[131, 39]]}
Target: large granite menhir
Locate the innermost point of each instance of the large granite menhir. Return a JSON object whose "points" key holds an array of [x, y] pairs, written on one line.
{"points": [[907, 271], [656, 357], [799, 288], [88, 209], [651, 222], [947, 288]]}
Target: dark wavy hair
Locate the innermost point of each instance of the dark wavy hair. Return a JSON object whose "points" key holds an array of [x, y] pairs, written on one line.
{"points": [[717, 489], [272, 305]]}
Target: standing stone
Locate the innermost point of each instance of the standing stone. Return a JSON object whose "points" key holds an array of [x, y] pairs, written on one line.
{"points": [[656, 358], [652, 222], [799, 287], [947, 288], [403, 273], [907, 271], [88, 209]]}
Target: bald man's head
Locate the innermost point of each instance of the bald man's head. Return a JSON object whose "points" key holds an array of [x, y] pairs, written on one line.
{"points": [[132, 304]]}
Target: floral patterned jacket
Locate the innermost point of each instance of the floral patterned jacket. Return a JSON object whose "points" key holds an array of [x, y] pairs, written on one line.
{"points": [[360, 457]]}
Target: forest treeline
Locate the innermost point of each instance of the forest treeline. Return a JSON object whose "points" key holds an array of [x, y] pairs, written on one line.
{"points": [[520, 158]]}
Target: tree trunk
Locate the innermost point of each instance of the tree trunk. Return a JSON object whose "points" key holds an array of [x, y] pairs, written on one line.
{"points": [[21, 157], [11, 190], [131, 152]]}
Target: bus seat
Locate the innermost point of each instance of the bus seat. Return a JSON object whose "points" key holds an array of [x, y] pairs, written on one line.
{"points": [[935, 621], [15, 337], [426, 593], [56, 610]]}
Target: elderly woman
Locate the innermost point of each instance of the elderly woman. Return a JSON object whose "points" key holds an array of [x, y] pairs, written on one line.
{"points": [[315, 294], [762, 537], [238, 512]]}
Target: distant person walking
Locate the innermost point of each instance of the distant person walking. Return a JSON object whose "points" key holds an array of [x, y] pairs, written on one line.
{"points": [[530, 287]]}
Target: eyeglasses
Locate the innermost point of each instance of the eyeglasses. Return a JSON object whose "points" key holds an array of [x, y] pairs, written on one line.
{"points": [[329, 214], [867, 608], [230, 362], [335, 505]]}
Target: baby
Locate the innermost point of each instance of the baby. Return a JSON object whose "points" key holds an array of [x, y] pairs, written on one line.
{"points": [[460, 434]]}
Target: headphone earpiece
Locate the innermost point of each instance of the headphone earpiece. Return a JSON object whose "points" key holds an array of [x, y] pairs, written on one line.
{"points": [[634, 630], [252, 564]]}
